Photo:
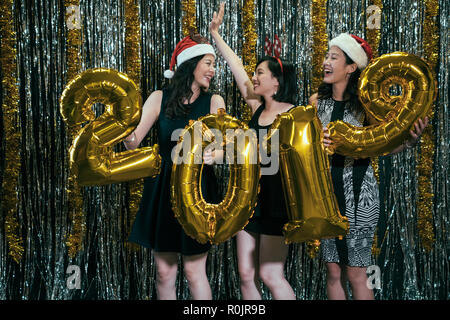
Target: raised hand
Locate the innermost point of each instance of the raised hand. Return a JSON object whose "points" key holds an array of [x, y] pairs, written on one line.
{"points": [[217, 19]]}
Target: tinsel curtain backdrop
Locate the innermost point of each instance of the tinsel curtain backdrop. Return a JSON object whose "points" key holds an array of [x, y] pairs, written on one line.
{"points": [[48, 222]]}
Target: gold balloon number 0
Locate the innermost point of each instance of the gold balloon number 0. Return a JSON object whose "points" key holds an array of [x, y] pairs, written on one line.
{"points": [[92, 159], [208, 222], [396, 114]]}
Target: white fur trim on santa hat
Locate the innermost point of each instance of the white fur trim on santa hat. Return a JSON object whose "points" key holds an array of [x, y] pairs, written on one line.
{"points": [[195, 51], [352, 48], [189, 53]]}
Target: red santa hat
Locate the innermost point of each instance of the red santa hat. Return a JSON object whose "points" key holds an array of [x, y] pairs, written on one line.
{"points": [[187, 49], [356, 48]]}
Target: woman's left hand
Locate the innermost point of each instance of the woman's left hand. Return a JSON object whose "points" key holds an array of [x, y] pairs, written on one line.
{"points": [[217, 19], [419, 126]]}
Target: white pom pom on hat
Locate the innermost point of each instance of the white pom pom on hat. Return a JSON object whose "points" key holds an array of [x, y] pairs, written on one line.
{"points": [[168, 74], [187, 49]]}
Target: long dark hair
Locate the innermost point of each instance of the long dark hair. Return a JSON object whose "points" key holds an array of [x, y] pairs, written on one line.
{"points": [[180, 89], [325, 90], [287, 89], [180, 85]]}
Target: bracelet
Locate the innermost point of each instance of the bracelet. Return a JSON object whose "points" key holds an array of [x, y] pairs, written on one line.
{"points": [[132, 138], [409, 146]]}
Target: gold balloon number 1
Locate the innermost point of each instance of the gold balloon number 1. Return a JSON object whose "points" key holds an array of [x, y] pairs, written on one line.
{"points": [[312, 208], [92, 158]]}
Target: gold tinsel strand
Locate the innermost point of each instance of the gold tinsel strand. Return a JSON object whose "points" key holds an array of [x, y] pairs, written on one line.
{"points": [[133, 70], [74, 196], [320, 40], [373, 38], [189, 20], [12, 130], [248, 47], [373, 34], [425, 163]]}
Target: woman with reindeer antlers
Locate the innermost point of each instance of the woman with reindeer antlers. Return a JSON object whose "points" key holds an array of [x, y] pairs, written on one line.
{"points": [[261, 249]]}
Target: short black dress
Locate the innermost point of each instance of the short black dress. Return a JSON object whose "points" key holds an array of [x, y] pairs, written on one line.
{"points": [[270, 212], [155, 225]]}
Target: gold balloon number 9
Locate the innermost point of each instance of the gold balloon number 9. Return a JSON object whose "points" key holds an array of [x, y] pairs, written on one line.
{"points": [[92, 159], [396, 114]]}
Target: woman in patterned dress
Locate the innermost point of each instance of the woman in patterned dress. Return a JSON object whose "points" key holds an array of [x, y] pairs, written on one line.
{"points": [[354, 182]]}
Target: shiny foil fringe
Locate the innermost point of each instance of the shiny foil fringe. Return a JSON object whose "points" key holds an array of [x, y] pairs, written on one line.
{"points": [[10, 99], [248, 48], [373, 38], [74, 240], [427, 147], [108, 269], [189, 16], [373, 34], [133, 70], [320, 40]]}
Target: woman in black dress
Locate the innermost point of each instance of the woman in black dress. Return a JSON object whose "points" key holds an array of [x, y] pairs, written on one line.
{"points": [[186, 98], [260, 247]]}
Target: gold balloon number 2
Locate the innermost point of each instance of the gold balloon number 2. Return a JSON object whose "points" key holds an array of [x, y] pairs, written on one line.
{"points": [[92, 158]]}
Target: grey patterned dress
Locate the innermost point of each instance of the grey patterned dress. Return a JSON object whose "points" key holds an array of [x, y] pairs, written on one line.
{"points": [[356, 248]]}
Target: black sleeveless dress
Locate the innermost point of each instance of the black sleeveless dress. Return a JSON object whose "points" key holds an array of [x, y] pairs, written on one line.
{"points": [[270, 212], [155, 225]]}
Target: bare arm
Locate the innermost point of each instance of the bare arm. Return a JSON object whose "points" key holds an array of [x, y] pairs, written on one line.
{"points": [[216, 103], [313, 100], [150, 113], [210, 157], [237, 68]]}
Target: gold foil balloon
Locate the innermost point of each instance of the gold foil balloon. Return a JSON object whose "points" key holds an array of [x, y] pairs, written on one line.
{"points": [[396, 114], [92, 159], [312, 207], [204, 221]]}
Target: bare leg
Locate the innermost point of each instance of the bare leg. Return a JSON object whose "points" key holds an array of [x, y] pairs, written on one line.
{"points": [[195, 271], [357, 277], [247, 251], [166, 274], [335, 282], [273, 254]]}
